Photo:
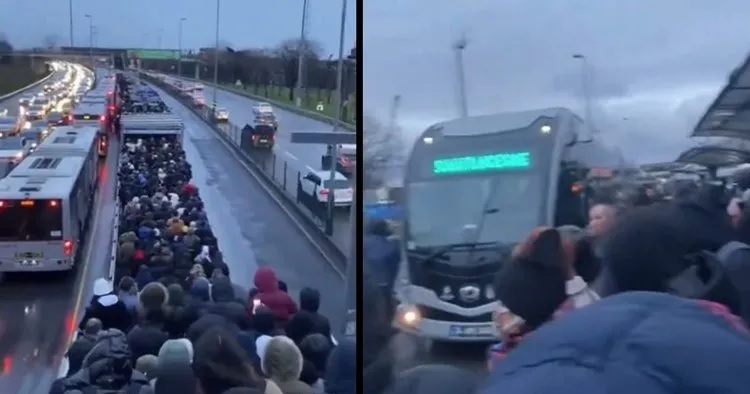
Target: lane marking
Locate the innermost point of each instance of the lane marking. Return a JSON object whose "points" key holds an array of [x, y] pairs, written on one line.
{"points": [[262, 184], [291, 156]]}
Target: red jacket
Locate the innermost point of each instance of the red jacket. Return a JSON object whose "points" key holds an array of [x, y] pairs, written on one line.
{"points": [[281, 305]]}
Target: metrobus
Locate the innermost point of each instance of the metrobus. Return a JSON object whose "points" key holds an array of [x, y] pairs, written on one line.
{"points": [[474, 188], [94, 115], [46, 203]]}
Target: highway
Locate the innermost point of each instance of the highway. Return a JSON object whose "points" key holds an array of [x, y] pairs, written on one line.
{"points": [[38, 313], [252, 229], [298, 156]]}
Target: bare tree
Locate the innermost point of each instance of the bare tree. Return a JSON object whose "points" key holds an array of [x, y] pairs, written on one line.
{"points": [[383, 148]]}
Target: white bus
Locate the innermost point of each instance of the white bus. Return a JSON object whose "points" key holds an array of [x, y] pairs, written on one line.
{"points": [[94, 115], [46, 203]]}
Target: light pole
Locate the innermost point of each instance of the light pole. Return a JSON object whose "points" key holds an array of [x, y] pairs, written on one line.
{"points": [[586, 92], [179, 46], [216, 57], [459, 47], [301, 49], [337, 120], [70, 22], [91, 40]]}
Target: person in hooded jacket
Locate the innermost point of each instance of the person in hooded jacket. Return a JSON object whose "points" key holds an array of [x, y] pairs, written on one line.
{"points": [[148, 335], [269, 294], [107, 307], [341, 372], [377, 359], [127, 290], [225, 303], [83, 345], [382, 254], [220, 364], [282, 363], [309, 300], [542, 261], [199, 300], [634, 342], [176, 323], [435, 379], [316, 348], [299, 326], [107, 368]]}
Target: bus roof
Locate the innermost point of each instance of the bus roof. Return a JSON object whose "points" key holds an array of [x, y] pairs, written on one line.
{"points": [[487, 124], [42, 178], [68, 141]]}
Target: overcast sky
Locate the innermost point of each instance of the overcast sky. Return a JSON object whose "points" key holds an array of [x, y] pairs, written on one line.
{"points": [[656, 63], [140, 23]]}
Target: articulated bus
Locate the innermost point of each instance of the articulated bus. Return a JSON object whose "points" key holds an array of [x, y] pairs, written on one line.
{"points": [[94, 115], [474, 188], [46, 204]]}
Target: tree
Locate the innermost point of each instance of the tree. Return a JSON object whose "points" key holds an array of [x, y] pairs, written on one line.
{"points": [[383, 149], [288, 51], [5, 47]]}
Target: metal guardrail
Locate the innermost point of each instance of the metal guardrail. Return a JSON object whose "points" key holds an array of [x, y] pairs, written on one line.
{"points": [[27, 87], [277, 171]]}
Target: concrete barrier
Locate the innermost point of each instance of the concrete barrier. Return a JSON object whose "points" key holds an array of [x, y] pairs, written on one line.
{"points": [[27, 87]]}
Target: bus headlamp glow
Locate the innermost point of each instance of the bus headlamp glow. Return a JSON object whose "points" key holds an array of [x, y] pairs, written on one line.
{"points": [[409, 315], [428, 140], [545, 129]]}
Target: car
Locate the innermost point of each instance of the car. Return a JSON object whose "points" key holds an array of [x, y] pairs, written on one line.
{"points": [[43, 102], [346, 159], [259, 135], [267, 118], [262, 108], [34, 136], [35, 112], [316, 184], [221, 115], [25, 101], [57, 119], [8, 126]]}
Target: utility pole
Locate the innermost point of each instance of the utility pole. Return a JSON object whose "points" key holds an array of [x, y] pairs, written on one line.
{"points": [[91, 40], [179, 46], [393, 119], [586, 93], [70, 22], [459, 47], [216, 57], [301, 52]]}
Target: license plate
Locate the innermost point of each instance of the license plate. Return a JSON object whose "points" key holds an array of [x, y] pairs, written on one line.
{"points": [[472, 331], [263, 140], [29, 255]]}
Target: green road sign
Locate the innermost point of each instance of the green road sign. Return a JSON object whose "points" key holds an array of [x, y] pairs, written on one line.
{"points": [[153, 54]]}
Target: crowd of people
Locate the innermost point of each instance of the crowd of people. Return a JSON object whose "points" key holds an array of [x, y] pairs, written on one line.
{"points": [[649, 298], [173, 321]]}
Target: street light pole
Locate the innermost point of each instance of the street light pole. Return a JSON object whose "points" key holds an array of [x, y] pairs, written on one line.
{"points": [[337, 120], [586, 92], [216, 57], [179, 46], [459, 47], [301, 49], [91, 40], [70, 17]]}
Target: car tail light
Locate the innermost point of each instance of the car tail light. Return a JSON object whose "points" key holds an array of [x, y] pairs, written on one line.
{"points": [[53, 203], [2, 204], [102, 143], [68, 247], [323, 192], [102, 118]]}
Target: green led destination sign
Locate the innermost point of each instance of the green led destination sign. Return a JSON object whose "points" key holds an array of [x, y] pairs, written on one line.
{"points": [[469, 164]]}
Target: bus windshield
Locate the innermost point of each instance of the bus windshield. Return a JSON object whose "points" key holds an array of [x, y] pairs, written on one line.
{"points": [[31, 220], [502, 207]]}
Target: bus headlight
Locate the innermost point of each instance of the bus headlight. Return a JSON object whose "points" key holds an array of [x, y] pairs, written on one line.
{"points": [[408, 315]]}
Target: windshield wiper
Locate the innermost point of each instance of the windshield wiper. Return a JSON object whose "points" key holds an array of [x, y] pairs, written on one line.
{"points": [[438, 252]]}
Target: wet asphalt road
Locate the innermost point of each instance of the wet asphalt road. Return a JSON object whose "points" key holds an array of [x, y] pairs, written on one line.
{"points": [[287, 156], [252, 229], [38, 313]]}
